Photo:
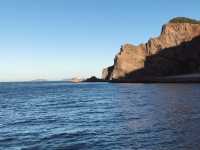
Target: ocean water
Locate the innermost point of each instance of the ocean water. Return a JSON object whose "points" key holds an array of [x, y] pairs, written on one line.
{"points": [[99, 116]]}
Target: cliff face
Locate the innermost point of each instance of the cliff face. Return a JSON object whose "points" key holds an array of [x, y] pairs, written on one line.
{"points": [[136, 61]]}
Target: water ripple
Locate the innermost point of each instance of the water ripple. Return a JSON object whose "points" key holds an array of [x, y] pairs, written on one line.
{"points": [[96, 116]]}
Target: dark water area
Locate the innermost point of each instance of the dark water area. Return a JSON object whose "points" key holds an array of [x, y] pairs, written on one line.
{"points": [[99, 116]]}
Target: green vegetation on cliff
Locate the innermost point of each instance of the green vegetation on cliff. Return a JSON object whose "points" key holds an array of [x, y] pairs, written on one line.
{"points": [[184, 20]]}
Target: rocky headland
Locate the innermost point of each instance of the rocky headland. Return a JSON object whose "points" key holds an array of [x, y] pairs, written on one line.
{"points": [[175, 52]]}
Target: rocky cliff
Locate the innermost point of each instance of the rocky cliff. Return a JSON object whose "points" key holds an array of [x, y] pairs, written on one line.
{"points": [[175, 51]]}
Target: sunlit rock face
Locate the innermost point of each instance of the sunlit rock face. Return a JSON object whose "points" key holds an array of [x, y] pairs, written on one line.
{"points": [[132, 58]]}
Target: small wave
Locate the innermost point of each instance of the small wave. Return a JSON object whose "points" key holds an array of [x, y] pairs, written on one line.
{"points": [[9, 139], [66, 135], [63, 146]]}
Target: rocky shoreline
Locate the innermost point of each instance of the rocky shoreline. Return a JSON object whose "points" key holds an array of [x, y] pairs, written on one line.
{"points": [[164, 59], [189, 78], [177, 79]]}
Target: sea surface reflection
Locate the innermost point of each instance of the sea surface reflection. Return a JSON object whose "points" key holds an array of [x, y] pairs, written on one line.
{"points": [[59, 115]]}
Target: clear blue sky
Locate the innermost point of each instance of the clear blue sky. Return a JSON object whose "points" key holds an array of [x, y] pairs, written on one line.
{"points": [[55, 39]]}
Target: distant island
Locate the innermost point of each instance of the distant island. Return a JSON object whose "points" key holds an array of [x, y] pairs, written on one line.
{"points": [[39, 80], [166, 58], [73, 80]]}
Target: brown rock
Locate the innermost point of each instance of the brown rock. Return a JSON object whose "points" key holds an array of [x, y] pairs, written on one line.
{"points": [[137, 60]]}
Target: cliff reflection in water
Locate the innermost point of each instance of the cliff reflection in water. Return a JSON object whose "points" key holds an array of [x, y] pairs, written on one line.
{"points": [[161, 114]]}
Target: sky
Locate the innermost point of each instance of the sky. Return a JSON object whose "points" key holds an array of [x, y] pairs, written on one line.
{"points": [[60, 39]]}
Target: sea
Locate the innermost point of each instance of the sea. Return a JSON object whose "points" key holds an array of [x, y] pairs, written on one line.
{"points": [[99, 116]]}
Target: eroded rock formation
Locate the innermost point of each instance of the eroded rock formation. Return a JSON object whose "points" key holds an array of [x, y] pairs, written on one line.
{"points": [[176, 47]]}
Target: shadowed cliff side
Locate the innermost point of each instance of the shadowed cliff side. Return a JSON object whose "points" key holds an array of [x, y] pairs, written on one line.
{"points": [[178, 60], [174, 52]]}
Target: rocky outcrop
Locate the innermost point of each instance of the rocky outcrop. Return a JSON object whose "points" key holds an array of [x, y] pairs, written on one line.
{"points": [[75, 80], [107, 73], [174, 52], [93, 79]]}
